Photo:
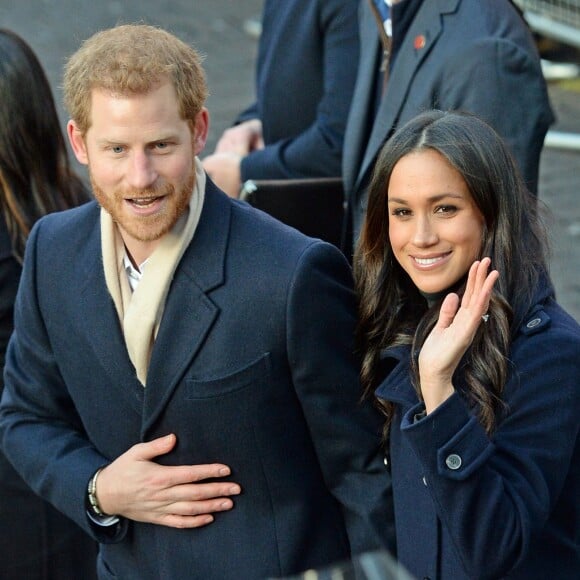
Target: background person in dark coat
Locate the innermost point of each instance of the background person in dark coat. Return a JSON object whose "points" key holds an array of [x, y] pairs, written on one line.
{"points": [[477, 371], [449, 55], [174, 347], [306, 71], [36, 541]]}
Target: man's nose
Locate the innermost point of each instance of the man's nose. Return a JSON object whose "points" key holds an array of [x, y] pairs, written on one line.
{"points": [[141, 173]]}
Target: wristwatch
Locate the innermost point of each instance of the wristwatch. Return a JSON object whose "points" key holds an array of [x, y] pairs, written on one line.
{"points": [[92, 496]]}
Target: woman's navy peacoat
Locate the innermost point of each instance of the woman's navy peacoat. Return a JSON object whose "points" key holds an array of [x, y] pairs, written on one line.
{"points": [[472, 506]]}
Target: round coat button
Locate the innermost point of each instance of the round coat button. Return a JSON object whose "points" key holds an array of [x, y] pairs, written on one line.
{"points": [[534, 322], [453, 461], [386, 460]]}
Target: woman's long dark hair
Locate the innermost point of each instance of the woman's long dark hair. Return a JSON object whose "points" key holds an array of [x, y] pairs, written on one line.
{"points": [[35, 175], [391, 309]]}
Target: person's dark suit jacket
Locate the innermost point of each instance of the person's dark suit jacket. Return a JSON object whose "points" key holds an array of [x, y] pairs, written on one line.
{"points": [[306, 70], [36, 541], [253, 366], [457, 55]]}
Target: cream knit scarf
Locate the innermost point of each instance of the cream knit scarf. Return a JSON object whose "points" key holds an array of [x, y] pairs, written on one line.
{"points": [[140, 312]]}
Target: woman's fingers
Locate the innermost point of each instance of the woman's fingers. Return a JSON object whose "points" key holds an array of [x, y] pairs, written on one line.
{"points": [[479, 287], [448, 311]]}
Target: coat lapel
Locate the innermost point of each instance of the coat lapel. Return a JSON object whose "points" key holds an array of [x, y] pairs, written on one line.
{"points": [[396, 386], [361, 111], [99, 318], [189, 312], [419, 41]]}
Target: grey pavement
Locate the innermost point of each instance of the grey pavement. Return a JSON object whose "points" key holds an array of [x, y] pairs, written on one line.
{"points": [[55, 28]]}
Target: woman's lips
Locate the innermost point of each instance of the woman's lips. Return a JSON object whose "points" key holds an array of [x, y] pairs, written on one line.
{"points": [[430, 261]]}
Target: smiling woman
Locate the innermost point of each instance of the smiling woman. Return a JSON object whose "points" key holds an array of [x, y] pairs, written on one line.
{"points": [[435, 227], [481, 417]]}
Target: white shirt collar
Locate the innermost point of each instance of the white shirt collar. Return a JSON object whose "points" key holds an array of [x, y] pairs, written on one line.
{"points": [[134, 275]]}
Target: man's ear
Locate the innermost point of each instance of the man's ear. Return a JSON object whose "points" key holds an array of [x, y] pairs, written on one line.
{"points": [[200, 131], [77, 142]]}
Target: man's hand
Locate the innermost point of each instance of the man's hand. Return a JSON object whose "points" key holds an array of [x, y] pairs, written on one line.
{"points": [[135, 487], [224, 170], [241, 139]]}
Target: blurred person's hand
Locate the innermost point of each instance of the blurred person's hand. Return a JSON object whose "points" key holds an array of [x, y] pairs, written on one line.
{"points": [[224, 171], [241, 139]]}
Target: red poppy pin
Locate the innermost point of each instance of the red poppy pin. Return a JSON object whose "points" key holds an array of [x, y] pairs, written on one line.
{"points": [[419, 42]]}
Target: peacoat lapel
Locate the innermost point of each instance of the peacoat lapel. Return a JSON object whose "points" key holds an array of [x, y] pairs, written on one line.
{"points": [[189, 311], [396, 386], [419, 41]]}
